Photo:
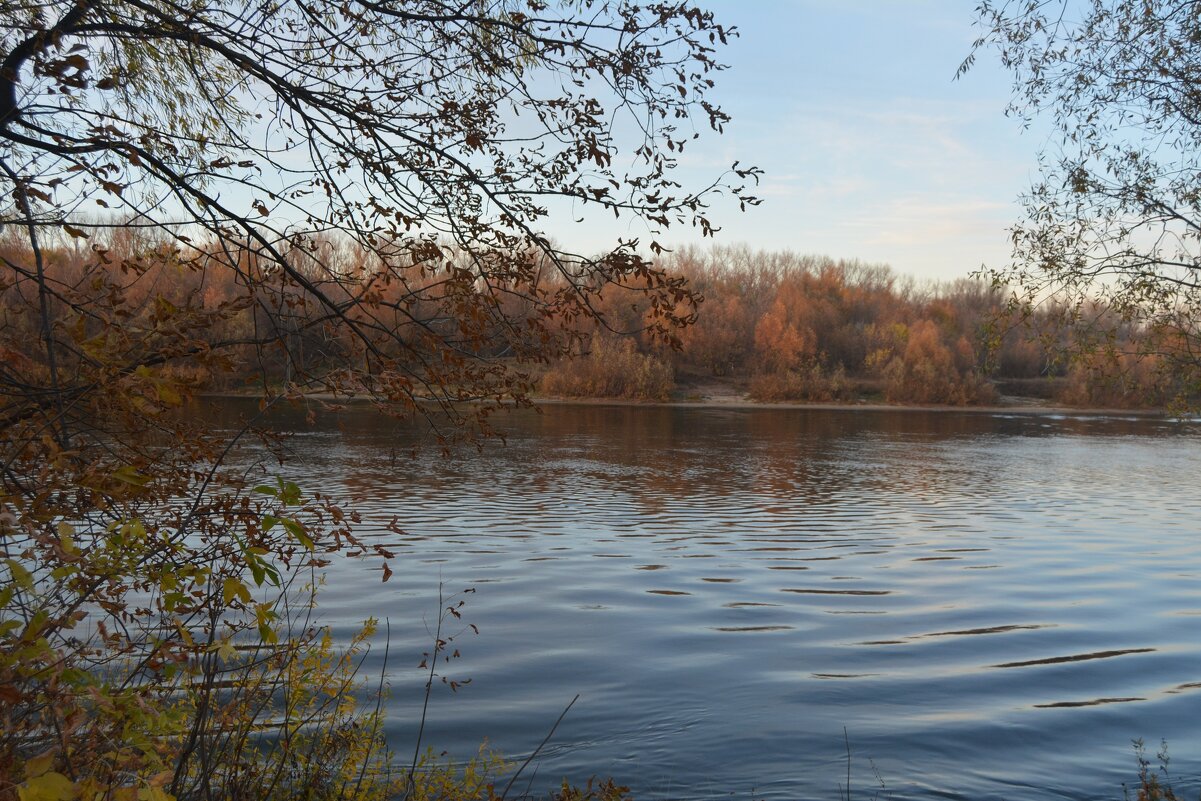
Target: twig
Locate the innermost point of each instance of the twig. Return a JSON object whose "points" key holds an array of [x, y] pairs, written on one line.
{"points": [[379, 700], [535, 752], [429, 685], [847, 740]]}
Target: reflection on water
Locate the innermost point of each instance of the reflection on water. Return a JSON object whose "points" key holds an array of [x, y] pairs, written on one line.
{"points": [[992, 606]]}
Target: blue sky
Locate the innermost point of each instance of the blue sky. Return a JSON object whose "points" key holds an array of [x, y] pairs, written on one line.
{"points": [[872, 150]]}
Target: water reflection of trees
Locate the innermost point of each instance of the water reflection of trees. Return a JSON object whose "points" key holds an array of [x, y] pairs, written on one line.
{"points": [[661, 463]]}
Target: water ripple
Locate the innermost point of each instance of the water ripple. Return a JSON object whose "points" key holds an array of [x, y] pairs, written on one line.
{"points": [[730, 590]]}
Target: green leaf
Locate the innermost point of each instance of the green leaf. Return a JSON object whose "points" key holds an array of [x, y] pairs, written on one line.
{"points": [[256, 571], [297, 530], [289, 493], [267, 634], [265, 615], [75, 677], [272, 573], [35, 625]]}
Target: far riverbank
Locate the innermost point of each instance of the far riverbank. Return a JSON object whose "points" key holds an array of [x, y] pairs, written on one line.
{"points": [[747, 403], [722, 396]]}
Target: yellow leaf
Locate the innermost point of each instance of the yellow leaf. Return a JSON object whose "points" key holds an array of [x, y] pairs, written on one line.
{"points": [[39, 765], [47, 787], [233, 588], [130, 475], [65, 539], [21, 576], [184, 634], [161, 778], [154, 794], [226, 650], [168, 394]]}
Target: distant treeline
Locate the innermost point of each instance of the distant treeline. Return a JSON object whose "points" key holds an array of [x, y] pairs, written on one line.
{"points": [[780, 325], [790, 327]]}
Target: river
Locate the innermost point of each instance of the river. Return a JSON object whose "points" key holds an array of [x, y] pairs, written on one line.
{"points": [[978, 606]]}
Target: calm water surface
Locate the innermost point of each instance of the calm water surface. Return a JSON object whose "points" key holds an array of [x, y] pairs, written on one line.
{"points": [[990, 606]]}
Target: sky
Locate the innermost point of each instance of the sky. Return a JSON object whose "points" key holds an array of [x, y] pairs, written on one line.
{"points": [[871, 148]]}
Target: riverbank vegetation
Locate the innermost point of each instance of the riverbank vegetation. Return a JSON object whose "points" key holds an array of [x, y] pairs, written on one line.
{"points": [[772, 326], [779, 326]]}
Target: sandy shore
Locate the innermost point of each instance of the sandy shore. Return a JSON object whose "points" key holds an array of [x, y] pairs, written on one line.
{"points": [[735, 401], [744, 403]]}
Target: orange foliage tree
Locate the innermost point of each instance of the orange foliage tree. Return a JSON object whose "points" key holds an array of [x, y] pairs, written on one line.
{"points": [[931, 369]]}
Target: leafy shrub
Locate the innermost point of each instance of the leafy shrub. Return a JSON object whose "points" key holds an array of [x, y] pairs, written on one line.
{"points": [[1120, 381], [1154, 785], [612, 369], [810, 383]]}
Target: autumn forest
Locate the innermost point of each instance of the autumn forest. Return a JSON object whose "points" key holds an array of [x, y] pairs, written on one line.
{"points": [[777, 326]]}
